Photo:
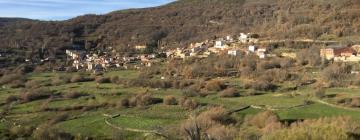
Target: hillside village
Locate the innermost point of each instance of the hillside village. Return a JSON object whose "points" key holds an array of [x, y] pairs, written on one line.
{"points": [[238, 45]]}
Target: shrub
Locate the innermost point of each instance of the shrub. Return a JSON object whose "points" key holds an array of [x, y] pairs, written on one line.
{"points": [[215, 85], [309, 56], [124, 103], [191, 130], [319, 129], [213, 124], [24, 68], [188, 103], [11, 98], [59, 80], [59, 118], [45, 132], [190, 92], [21, 131], [6, 79], [263, 86], [74, 95], [221, 132], [39, 69], [80, 78], [76, 78], [355, 102], [142, 100], [170, 100], [336, 74], [215, 115], [102, 80], [229, 92], [115, 79], [261, 120], [319, 93], [33, 84], [35, 94], [265, 65], [17, 84]]}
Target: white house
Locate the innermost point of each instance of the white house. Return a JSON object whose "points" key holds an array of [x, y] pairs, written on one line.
{"points": [[252, 48], [229, 38], [220, 45], [244, 38], [261, 55], [261, 52], [234, 52]]}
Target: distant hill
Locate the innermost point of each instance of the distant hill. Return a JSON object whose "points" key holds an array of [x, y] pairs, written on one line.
{"points": [[4, 21], [178, 23]]}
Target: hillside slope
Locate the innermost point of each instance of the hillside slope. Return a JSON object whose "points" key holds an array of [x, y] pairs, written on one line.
{"points": [[185, 21]]}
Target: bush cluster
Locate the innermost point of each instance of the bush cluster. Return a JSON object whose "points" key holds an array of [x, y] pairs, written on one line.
{"points": [[170, 100], [35, 94], [229, 92], [188, 103], [74, 95], [140, 100]]}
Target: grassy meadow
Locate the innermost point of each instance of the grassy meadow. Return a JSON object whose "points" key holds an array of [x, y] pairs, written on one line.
{"points": [[289, 106]]}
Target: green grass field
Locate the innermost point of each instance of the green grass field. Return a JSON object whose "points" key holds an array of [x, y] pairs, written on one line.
{"points": [[92, 123]]}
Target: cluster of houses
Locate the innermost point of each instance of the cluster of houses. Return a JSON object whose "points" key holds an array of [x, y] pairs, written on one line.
{"points": [[227, 45], [341, 53], [80, 59], [243, 44]]}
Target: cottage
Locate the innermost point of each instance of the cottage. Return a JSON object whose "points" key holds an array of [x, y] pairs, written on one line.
{"points": [[243, 37], [220, 45], [248, 38], [261, 55], [252, 48], [234, 52], [337, 51], [261, 52], [229, 38]]}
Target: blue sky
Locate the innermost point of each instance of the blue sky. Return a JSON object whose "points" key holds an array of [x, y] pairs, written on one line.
{"points": [[65, 9]]}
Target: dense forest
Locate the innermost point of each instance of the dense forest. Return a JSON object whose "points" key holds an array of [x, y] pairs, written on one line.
{"points": [[178, 23]]}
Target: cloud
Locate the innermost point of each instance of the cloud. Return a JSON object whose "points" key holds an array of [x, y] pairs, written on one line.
{"points": [[64, 9]]}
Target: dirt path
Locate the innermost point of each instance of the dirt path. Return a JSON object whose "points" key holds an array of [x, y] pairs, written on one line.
{"points": [[131, 129]]}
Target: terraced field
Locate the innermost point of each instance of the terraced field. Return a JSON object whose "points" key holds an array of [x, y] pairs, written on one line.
{"points": [[133, 122]]}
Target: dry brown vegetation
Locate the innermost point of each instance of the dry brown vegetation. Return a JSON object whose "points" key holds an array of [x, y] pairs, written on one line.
{"points": [[35, 94], [211, 124], [15, 79], [102, 80], [229, 92], [170, 100], [80, 78], [143, 99], [188, 103], [74, 95]]}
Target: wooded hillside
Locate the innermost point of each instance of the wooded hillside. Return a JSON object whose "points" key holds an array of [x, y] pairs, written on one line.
{"points": [[186, 21]]}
